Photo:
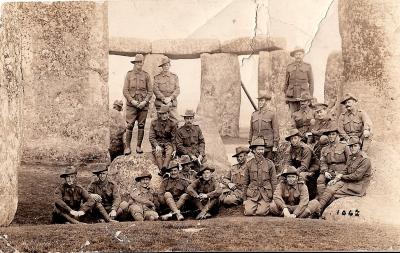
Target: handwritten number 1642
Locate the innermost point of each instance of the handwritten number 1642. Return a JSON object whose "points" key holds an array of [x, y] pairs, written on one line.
{"points": [[349, 213]]}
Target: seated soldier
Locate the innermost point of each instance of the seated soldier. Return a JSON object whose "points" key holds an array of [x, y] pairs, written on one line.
{"points": [[291, 198], [173, 192], [304, 116], [232, 193], [333, 159], [205, 192], [72, 200], [142, 204], [187, 170], [161, 136], [260, 181], [354, 181], [106, 195]]}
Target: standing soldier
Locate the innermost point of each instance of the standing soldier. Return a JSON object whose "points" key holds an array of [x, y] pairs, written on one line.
{"points": [[166, 88], [233, 181], [173, 192], [304, 116], [355, 122], [117, 130], [106, 194], [142, 199], [264, 124], [260, 181], [299, 79], [291, 199], [161, 136], [189, 139], [137, 91], [333, 159], [72, 200], [205, 191]]}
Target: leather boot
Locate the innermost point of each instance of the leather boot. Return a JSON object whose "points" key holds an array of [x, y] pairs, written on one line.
{"points": [[171, 204], [158, 159], [128, 138], [139, 141], [103, 212]]}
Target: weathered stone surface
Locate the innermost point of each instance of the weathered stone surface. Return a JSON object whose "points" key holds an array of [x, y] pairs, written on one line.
{"points": [[220, 82], [271, 78], [129, 46], [11, 94], [371, 55], [151, 66], [252, 45], [333, 83], [215, 150], [124, 169], [117, 129], [65, 69], [185, 48]]}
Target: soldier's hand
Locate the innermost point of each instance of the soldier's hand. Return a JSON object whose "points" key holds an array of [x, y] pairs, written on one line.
{"points": [[142, 104], [328, 175], [113, 213], [203, 196], [96, 197], [134, 103], [286, 213], [367, 133], [167, 100], [158, 148], [200, 158], [274, 149], [231, 186], [80, 213], [74, 213]]}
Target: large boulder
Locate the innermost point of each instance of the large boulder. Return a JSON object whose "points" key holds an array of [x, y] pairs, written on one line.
{"points": [[221, 83], [333, 82], [65, 69], [252, 45], [128, 46], [371, 56], [11, 94], [185, 48]]}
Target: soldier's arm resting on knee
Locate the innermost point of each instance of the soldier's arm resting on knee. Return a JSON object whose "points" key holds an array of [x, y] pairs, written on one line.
{"points": [[116, 197], [305, 159], [304, 199], [191, 189], [59, 202], [89, 201], [279, 202]]}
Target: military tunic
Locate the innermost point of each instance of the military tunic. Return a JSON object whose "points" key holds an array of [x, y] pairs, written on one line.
{"points": [[190, 141], [175, 186], [353, 123], [210, 187], [302, 158], [162, 133], [236, 176], [166, 85], [140, 203], [303, 119], [299, 80], [264, 124], [109, 193]]}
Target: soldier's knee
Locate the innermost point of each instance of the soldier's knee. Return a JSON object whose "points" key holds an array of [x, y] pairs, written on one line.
{"points": [[151, 215], [321, 179], [135, 209], [230, 200], [168, 195]]}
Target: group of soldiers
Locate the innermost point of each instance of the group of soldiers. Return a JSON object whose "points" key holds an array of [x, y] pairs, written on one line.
{"points": [[324, 159]]}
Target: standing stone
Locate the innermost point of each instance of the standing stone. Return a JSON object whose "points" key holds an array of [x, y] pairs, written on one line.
{"points": [[371, 55], [333, 83], [220, 82], [11, 94], [65, 69]]}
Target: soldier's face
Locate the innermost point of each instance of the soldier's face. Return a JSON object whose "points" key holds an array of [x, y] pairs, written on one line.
{"points": [[259, 150], [355, 148], [102, 176], [139, 65], [241, 158], [304, 104], [163, 116], [206, 175], [349, 104], [186, 167], [295, 140], [261, 102], [174, 172], [70, 179], [320, 114], [292, 179], [188, 120], [298, 56], [166, 67], [332, 136], [145, 182]]}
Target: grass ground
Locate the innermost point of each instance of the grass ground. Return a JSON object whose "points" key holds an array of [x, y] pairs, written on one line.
{"points": [[229, 231]]}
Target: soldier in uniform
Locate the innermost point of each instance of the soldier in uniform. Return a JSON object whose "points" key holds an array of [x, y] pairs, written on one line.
{"points": [[205, 192], [299, 79], [355, 122], [354, 181], [291, 199], [138, 92], [260, 181], [166, 88], [304, 116], [186, 168], [72, 200], [161, 136], [173, 192], [333, 159], [233, 181], [142, 203], [117, 130], [106, 195], [189, 139], [322, 121], [264, 124]]}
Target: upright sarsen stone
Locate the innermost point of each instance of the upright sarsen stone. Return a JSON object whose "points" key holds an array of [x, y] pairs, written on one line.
{"points": [[220, 82], [11, 94], [65, 68]]}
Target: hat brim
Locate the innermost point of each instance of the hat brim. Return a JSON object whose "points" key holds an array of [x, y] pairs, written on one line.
{"points": [[344, 101], [66, 174], [201, 171], [135, 61], [187, 116], [290, 136], [137, 179], [244, 151], [330, 131], [295, 51], [290, 173], [99, 171]]}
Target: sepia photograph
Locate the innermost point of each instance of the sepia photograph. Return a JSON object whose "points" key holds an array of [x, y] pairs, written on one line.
{"points": [[199, 125]]}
